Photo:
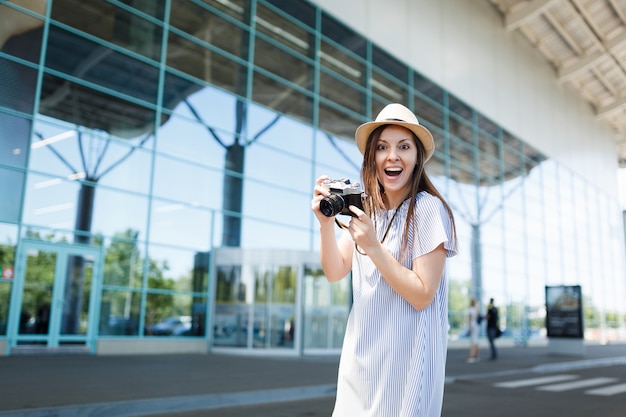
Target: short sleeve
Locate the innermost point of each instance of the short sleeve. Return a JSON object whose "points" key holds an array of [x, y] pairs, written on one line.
{"points": [[430, 227]]}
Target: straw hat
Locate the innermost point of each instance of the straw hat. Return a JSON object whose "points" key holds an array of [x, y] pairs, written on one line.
{"points": [[396, 114]]}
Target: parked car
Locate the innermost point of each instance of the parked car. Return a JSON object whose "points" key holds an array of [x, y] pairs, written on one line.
{"points": [[171, 326]]}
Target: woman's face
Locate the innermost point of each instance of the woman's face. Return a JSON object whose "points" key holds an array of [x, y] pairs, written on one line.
{"points": [[396, 158]]}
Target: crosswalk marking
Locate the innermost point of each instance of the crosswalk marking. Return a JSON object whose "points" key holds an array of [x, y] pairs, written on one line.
{"points": [[608, 391], [535, 381], [583, 383], [565, 382]]}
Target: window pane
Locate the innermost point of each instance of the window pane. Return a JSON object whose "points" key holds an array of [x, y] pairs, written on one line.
{"points": [[172, 269], [302, 11], [275, 236], [11, 184], [390, 65], [234, 9], [169, 314], [231, 310], [180, 224], [24, 39], [285, 99], [283, 64], [344, 36], [14, 140], [428, 88], [116, 212], [428, 111], [186, 184], [336, 158], [121, 27], [5, 297], [189, 140], [18, 93], [100, 65], [278, 132], [342, 92], [119, 313], [276, 176], [338, 121], [278, 28], [123, 261], [95, 109], [195, 59]]}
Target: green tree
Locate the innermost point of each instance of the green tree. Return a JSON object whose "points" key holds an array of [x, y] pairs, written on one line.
{"points": [[122, 260], [7, 260], [458, 300]]}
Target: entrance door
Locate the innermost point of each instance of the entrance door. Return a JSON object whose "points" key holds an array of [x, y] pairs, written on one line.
{"points": [[52, 304]]}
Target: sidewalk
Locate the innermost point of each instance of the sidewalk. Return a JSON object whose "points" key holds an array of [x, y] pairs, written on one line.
{"points": [[116, 386]]}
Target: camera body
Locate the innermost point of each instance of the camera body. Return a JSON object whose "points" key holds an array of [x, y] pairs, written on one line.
{"points": [[343, 194]]}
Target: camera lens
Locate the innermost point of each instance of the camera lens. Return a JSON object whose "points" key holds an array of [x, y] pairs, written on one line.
{"points": [[332, 205]]}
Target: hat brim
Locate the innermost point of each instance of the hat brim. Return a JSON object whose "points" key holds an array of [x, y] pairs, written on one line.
{"points": [[363, 132]]}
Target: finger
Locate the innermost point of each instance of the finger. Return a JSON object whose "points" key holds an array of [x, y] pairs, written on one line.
{"points": [[319, 192], [357, 211], [321, 179]]}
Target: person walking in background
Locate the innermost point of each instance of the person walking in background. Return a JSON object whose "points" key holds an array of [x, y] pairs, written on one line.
{"points": [[473, 327], [393, 357], [493, 327]]}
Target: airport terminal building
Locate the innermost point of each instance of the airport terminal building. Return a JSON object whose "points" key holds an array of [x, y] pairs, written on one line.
{"points": [[157, 161]]}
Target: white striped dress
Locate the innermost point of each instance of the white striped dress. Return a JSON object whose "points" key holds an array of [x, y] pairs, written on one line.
{"points": [[393, 356]]}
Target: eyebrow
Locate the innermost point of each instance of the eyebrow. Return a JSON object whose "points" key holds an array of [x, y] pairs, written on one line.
{"points": [[399, 142]]}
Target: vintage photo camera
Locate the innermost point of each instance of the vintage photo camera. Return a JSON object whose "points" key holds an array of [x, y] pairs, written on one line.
{"points": [[343, 194]]}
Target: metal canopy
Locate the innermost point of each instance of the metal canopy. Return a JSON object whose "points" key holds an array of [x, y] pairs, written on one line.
{"points": [[585, 41]]}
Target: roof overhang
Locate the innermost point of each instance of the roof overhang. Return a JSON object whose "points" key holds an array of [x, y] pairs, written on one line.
{"points": [[585, 41]]}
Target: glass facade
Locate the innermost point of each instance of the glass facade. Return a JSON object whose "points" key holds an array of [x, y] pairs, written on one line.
{"points": [[139, 138]]}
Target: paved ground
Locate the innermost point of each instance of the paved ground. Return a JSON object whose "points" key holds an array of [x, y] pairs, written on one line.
{"points": [[192, 385]]}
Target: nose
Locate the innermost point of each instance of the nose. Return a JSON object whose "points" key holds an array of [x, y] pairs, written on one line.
{"points": [[393, 154]]}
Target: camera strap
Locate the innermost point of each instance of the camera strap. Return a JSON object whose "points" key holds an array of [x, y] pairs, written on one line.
{"points": [[356, 247], [390, 223]]}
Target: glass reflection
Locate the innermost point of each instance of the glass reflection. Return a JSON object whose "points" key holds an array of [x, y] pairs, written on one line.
{"points": [[34, 317], [181, 224], [169, 314], [325, 308], [119, 313], [126, 29], [77, 294], [231, 308], [5, 297], [274, 308], [123, 263]]}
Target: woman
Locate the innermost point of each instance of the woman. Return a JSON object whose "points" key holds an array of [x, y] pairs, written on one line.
{"points": [[394, 351], [473, 327]]}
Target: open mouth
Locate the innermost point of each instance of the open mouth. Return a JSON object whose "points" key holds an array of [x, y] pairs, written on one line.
{"points": [[393, 172]]}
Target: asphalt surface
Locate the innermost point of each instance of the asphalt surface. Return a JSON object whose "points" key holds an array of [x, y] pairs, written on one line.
{"points": [[193, 385]]}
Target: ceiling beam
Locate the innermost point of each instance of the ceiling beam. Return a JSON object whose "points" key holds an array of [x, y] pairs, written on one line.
{"points": [[618, 10], [580, 66], [563, 33], [530, 11], [614, 43], [611, 109]]}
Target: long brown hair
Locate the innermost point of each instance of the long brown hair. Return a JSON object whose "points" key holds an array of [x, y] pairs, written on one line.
{"points": [[374, 190]]}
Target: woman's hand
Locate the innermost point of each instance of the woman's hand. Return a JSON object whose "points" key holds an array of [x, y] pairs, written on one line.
{"points": [[319, 192], [362, 230], [335, 256]]}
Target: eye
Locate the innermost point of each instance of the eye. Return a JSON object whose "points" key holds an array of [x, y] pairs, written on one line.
{"points": [[405, 146], [381, 147]]}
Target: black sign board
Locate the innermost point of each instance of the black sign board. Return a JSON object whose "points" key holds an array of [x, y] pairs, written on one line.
{"points": [[564, 311]]}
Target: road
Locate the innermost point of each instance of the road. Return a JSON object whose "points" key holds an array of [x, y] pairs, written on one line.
{"points": [[589, 392], [574, 393]]}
